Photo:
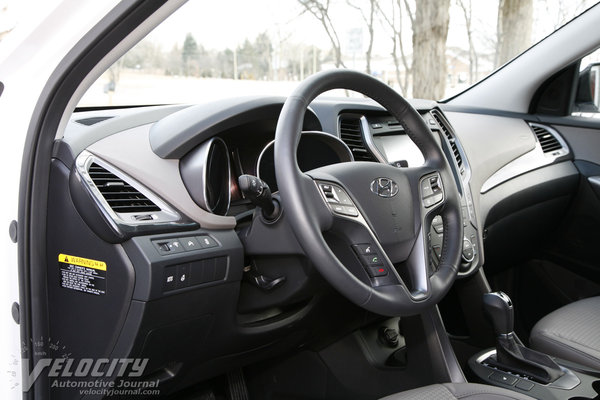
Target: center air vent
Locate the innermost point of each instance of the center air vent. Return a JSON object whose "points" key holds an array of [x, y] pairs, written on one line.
{"points": [[351, 134], [547, 140], [120, 196], [442, 123]]}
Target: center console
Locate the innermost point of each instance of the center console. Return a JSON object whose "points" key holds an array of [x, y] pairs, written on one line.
{"points": [[514, 366]]}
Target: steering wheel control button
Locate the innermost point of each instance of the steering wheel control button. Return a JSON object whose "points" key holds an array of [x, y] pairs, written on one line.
{"points": [[351, 211], [371, 260], [339, 209], [206, 241], [170, 278], [501, 377], [432, 192], [338, 200], [437, 250], [342, 196], [364, 248], [426, 188], [377, 271], [335, 195], [438, 225]]}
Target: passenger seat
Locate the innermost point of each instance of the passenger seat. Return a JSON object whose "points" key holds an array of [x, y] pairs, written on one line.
{"points": [[571, 333]]}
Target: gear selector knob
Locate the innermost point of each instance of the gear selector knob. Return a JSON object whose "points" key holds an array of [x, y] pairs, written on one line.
{"points": [[499, 310]]}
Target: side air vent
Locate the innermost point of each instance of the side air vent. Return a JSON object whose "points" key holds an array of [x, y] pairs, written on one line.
{"points": [[120, 196], [547, 140], [450, 138], [351, 134]]}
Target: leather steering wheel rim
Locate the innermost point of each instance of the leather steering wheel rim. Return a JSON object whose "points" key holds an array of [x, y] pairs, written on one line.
{"points": [[309, 215]]}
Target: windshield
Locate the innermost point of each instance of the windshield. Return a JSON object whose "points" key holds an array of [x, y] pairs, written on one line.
{"points": [[428, 49]]}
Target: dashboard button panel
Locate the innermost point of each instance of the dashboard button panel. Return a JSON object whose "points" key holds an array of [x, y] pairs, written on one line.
{"points": [[166, 247], [194, 273]]}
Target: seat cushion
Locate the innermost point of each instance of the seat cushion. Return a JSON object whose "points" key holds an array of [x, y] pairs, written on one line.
{"points": [[454, 391], [571, 333]]}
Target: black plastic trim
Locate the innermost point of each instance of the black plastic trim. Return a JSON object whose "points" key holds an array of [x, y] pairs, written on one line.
{"points": [[555, 95]]}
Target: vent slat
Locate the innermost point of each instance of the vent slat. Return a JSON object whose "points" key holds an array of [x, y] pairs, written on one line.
{"points": [[351, 134], [546, 139], [119, 195], [451, 139]]}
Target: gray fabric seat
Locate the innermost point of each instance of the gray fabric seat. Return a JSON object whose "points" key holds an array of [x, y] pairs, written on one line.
{"points": [[571, 333], [454, 391]]}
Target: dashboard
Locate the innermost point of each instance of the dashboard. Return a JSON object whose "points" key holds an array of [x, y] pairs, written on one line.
{"points": [[154, 192]]}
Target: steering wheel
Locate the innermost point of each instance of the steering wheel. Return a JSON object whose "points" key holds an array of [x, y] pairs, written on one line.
{"points": [[365, 225]]}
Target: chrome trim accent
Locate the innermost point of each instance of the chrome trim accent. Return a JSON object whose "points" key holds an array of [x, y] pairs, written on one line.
{"points": [[368, 140], [384, 187], [166, 213], [594, 181], [313, 133], [200, 192], [485, 356], [566, 382], [260, 157], [418, 256], [529, 161]]}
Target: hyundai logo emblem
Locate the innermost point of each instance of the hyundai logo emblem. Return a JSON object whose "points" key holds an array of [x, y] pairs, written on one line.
{"points": [[384, 187]]}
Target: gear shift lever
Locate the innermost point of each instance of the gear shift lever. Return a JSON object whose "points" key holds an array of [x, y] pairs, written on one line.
{"points": [[499, 310], [511, 354]]}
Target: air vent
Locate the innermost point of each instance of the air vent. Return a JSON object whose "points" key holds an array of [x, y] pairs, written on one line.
{"points": [[547, 140], [120, 196], [450, 138], [351, 134]]}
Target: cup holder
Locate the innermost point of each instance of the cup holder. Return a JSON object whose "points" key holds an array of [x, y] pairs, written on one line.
{"points": [[596, 387]]}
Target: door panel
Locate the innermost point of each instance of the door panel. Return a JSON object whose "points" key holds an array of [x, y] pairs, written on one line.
{"points": [[576, 244]]}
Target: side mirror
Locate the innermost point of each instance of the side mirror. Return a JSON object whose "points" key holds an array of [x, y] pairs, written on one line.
{"points": [[587, 98]]}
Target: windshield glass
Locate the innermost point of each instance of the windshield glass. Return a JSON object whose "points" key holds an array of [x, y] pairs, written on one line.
{"points": [[428, 49]]}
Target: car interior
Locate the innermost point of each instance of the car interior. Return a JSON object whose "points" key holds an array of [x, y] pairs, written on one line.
{"points": [[323, 247]]}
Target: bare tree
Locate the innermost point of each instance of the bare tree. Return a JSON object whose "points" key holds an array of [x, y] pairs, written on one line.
{"points": [[368, 17], [465, 6], [430, 31], [396, 26], [320, 10], [515, 20]]}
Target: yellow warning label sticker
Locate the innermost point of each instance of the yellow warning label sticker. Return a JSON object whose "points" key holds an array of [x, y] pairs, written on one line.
{"points": [[82, 262]]}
